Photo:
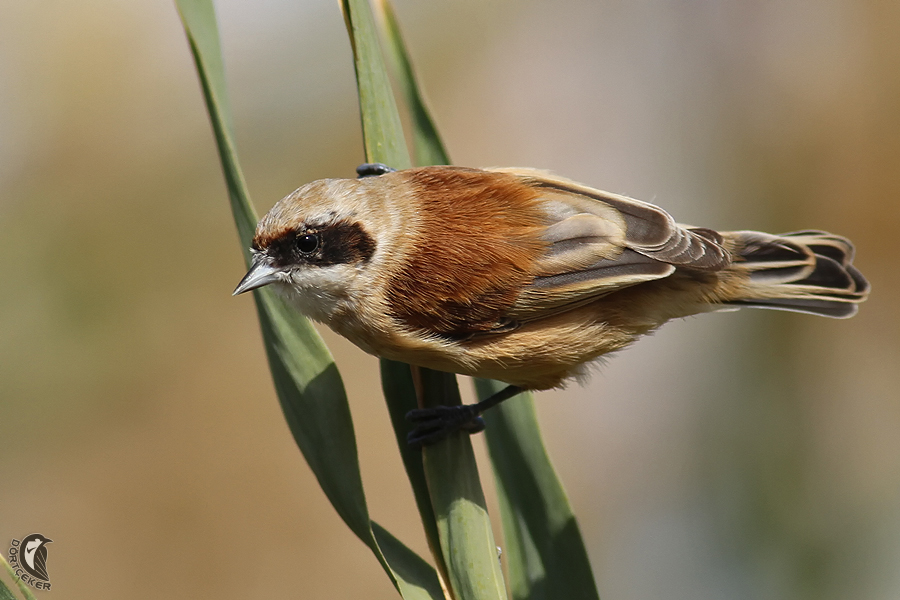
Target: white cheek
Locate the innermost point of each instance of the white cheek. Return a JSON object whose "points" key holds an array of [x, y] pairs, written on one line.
{"points": [[319, 292]]}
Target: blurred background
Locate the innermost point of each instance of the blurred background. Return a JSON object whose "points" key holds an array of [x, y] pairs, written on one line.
{"points": [[747, 455]]}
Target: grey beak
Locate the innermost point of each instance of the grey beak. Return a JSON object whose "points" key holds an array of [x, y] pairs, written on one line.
{"points": [[261, 273]]}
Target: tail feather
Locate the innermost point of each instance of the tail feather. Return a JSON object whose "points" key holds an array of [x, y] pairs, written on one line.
{"points": [[802, 271]]}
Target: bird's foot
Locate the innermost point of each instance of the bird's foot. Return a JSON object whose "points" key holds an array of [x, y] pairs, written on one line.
{"points": [[434, 424]]}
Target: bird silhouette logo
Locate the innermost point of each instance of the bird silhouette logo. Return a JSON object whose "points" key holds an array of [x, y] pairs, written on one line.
{"points": [[34, 555]]}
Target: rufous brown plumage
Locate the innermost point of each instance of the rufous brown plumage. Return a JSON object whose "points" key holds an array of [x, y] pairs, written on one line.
{"points": [[521, 276]]}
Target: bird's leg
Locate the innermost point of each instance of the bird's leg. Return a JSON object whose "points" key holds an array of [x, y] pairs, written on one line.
{"points": [[372, 170], [436, 423]]}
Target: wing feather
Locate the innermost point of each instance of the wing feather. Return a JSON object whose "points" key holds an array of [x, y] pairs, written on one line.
{"points": [[600, 243]]}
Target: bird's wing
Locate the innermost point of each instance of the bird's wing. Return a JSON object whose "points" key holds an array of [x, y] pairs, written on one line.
{"points": [[601, 242]]}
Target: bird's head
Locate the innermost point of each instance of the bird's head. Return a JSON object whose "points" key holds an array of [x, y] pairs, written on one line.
{"points": [[314, 244]]}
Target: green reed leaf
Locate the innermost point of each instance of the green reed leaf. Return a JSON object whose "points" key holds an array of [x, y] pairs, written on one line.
{"points": [[26, 593], [307, 382], [428, 149], [545, 553], [5, 593], [448, 468]]}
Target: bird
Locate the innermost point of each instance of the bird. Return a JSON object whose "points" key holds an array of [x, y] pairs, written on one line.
{"points": [[520, 275], [35, 555]]}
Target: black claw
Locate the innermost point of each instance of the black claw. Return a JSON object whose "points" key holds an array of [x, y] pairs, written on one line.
{"points": [[476, 425], [372, 170], [418, 440], [434, 424]]}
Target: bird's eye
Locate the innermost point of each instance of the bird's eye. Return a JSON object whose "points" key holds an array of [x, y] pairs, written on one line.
{"points": [[308, 243]]}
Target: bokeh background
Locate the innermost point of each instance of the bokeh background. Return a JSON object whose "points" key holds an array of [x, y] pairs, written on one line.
{"points": [[748, 455]]}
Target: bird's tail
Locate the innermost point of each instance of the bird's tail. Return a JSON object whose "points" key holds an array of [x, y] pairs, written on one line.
{"points": [[803, 271]]}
